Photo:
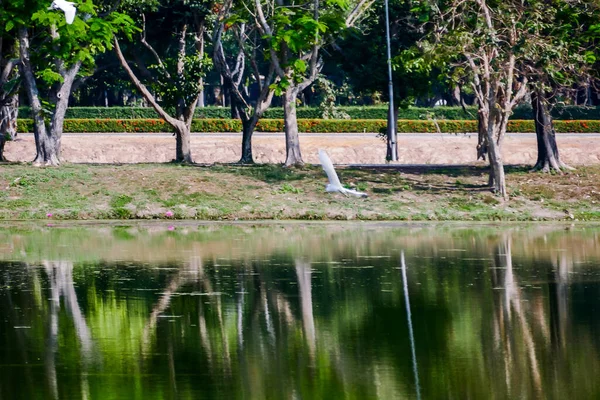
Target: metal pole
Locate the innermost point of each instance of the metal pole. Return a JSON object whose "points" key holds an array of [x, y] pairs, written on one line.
{"points": [[411, 334], [391, 116]]}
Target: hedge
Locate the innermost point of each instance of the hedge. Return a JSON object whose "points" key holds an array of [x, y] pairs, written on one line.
{"points": [[304, 125], [355, 112]]}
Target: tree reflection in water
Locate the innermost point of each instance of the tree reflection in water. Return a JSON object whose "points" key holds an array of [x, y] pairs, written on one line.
{"points": [[479, 314]]}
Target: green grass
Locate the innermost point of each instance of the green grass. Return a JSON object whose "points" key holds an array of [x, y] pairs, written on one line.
{"points": [[267, 172], [274, 192]]}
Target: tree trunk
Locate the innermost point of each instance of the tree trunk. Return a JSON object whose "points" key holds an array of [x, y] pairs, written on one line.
{"points": [[392, 121], [292, 140], [2, 143], [248, 126], [8, 122], [47, 140], [548, 157], [183, 149], [46, 145], [496, 129], [482, 146]]}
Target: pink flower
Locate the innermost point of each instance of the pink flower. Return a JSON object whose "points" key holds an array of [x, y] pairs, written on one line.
{"points": [[169, 214], [171, 228], [49, 215]]}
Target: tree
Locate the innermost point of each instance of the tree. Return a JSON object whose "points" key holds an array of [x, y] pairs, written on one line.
{"points": [[485, 41], [51, 60], [548, 156], [296, 32], [501, 48], [175, 77], [563, 60], [9, 85], [248, 46]]}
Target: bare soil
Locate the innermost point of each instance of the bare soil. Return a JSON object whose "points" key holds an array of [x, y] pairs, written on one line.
{"points": [[209, 148]]}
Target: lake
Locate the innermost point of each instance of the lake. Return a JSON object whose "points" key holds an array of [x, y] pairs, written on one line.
{"points": [[185, 310]]}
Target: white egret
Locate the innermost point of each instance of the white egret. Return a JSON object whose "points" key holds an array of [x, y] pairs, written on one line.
{"points": [[67, 7], [334, 182]]}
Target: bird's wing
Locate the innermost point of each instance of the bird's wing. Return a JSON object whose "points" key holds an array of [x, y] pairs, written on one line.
{"points": [[329, 170], [70, 11]]}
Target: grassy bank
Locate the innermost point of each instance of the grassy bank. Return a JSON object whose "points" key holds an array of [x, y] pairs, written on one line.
{"points": [[272, 192]]}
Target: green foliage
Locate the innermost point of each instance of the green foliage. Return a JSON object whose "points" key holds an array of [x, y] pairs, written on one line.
{"points": [[340, 112], [185, 86], [88, 36], [364, 53], [297, 30], [327, 101], [307, 125], [353, 112], [120, 201], [289, 188]]}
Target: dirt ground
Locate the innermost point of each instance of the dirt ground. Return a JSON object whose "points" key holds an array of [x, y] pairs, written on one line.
{"points": [[208, 148]]}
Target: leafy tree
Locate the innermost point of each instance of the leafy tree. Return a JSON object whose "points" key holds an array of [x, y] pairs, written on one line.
{"points": [[296, 32], [500, 49], [52, 55], [9, 85], [484, 42], [174, 80], [248, 48], [564, 60]]}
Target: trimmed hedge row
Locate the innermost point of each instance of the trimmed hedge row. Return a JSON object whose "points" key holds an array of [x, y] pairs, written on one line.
{"points": [[305, 125], [355, 112]]}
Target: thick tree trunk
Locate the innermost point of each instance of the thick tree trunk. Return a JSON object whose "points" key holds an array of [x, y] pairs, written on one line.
{"points": [[392, 145], [8, 122], [292, 140], [482, 146], [47, 140], [497, 180], [491, 129], [183, 149], [248, 126], [46, 145], [548, 157]]}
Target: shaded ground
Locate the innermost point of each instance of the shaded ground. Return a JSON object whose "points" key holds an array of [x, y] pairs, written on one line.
{"points": [[227, 192]]}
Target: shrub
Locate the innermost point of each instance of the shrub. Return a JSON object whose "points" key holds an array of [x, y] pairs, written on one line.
{"points": [[355, 112], [307, 125]]}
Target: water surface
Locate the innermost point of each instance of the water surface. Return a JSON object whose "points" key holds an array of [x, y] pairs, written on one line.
{"points": [[357, 311]]}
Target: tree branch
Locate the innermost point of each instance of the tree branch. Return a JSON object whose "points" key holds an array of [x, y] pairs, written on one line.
{"points": [[149, 47], [262, 21], [142, 88], [357, 12], [6, 71]]}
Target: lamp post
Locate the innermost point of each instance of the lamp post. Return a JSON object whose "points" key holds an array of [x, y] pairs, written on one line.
{"points": [[391, 121]]}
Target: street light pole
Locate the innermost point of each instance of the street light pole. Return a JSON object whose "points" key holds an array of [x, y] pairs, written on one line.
{"points": [[391, 119]]}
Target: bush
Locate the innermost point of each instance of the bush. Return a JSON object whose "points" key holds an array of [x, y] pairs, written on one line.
{"points": [[306, 125], [355, 112]]}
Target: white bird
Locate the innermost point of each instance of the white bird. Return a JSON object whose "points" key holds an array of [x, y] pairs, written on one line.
{"points": [[67, 7], [334, 182]]}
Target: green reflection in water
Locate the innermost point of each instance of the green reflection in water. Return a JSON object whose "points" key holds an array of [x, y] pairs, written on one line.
{"points": [[299, 311]]}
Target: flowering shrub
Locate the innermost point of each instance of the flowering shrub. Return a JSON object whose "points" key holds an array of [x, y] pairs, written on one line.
{"points": [[307, 125]]}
